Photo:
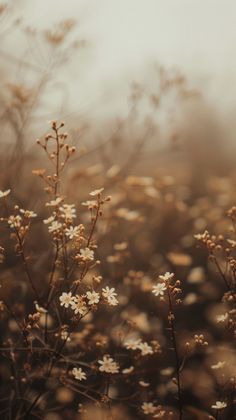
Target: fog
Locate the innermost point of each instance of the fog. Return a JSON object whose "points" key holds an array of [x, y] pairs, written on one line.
{"points": [[124, 39]]}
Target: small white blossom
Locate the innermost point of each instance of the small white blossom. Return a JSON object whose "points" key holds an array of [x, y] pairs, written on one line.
{"points": [[201, 236], [160, 414], [96, 192], [54, 203], [167, 276], [232, 242], [219, 405], [132, 344], [78, 305], [49, 220], [65, 336], [110, 295], [28, 213], [15, 221], [93, 297], [222, 318], [72, 232], [40, 309], [87, 254], [148, 408], [108, 365], [144, 384], [4, 193], [126, 371], [89, 203], [54, 227], [159, 289], [219, 365], [68, 211], [79, 374], [66, 299], [145, 349]]}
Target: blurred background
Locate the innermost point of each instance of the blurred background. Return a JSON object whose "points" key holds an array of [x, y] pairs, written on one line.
{"points": [[124, 40]]}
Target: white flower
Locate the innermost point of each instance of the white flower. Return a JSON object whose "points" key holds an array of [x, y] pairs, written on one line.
{"points": [[132, 344], [201, 236], [79, 374], [40, 309], [108, 365], [219, 405], [160, 414], [14, 221], [78, 305], [222, 318], [145, 349], [219, 365], [87, 254], [54, 203], [167, 276], [148, 408], [28, 213], [159, 289], [231, 242], [66, 299], [4, 193], [93, 297], [198, 236], [144, 384], [128, 370], [96, 192], [49, 220], [65, 336], [72, 232], [89, 203], [68, 211], [54, 227], [110, 295]]}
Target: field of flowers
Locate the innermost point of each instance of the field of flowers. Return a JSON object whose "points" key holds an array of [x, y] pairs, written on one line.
{"points": [[118, 265]]}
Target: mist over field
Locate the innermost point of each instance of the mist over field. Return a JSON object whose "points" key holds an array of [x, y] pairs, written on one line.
{"points": [[125, 38]]}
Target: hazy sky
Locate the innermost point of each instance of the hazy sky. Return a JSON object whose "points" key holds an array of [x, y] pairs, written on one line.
{"points": [[126, 36]]}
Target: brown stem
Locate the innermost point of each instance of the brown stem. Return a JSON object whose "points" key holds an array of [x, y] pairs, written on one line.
{"points": [[171, 319], [22, 254]]}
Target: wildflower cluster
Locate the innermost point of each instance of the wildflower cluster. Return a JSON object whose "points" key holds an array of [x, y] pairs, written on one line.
{"points": [[46, 330], [93, 327]]}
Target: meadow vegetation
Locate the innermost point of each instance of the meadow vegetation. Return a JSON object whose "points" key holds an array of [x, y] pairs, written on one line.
{"points": [[118, 266]]}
